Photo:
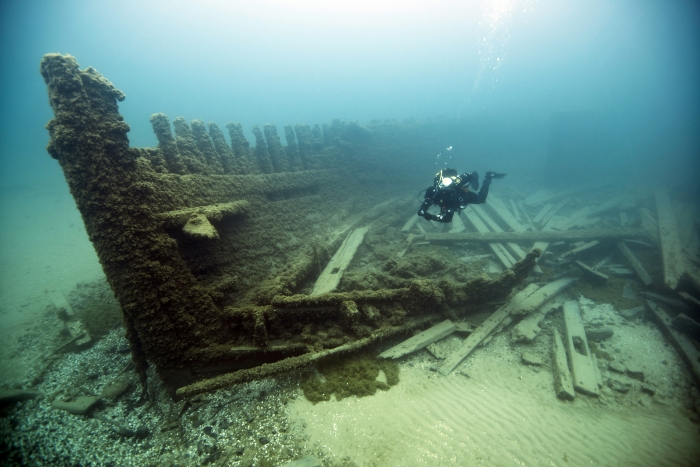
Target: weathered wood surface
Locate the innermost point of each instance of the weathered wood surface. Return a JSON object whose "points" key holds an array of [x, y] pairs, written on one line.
{"points": [[577, 250], [497, 206], [502, 213], [673, 261], [592, 274], [512, 247], [553, 212], [544, 293], [483, 331], [516, 212], [582, 370], [528, 328], [542, 213], [634, 262], [563, 385], [457, 225], [683, 345], [409, 241], [331, 275], [501, 253], [538, 236], [420, 340], [410, 223]]}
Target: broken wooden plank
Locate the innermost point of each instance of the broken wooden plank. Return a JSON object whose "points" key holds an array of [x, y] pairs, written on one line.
{"points": [[541, 214], [420, 340], [501, 253], [457, 224], [683, 344], [544, 293], [409, 224], [687, 325], [689, 298], [649, 223], [582, 370], [514, 248], [421, 229], [409, 240], [577, 250], [602, 235], [331, 275], [497, 206], [674, 264], [602, 262], [516, 212], [528, 328], [527, 216], [634, 262], [595, 276], [483, 331], [553, 212], [674, 302], [623, 219], [563, 385]]}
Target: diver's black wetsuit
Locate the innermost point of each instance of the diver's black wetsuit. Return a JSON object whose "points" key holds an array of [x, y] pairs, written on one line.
{"points": [[451, 199]]}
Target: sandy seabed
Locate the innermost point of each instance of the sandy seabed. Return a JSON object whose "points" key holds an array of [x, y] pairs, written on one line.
{"points": [[505, 413], [44, 251]]}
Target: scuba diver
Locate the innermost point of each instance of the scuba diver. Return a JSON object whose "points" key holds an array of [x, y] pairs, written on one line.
{"points": [[452, 193]]}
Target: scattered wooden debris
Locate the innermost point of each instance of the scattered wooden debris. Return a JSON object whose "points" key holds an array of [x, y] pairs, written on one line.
{"points": [[513, 247], [563, 386], [537, 298], [484, 330], [497, 206], [593, 275], [457, 225], [634, 262], [410, 223], [420, 340], [75, 327], [674, 302], [464, 328], [632, 313], [602, 263], [528, 328], [687, 325], [553, 212], [689, 298], [9, 396], [551, 236], [579, 249], [330, 277], [582, 370], [682, 343], [516, 212], [599, 334], [527, 216], [674, 264], [541, 214], [409, 240], [501, 253]]}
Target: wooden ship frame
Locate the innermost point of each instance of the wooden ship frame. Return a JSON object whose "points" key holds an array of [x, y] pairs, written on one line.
{"points": [[226, 259]]}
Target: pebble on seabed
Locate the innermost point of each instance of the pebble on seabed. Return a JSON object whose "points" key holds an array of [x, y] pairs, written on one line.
{"points": [[248, 418]]}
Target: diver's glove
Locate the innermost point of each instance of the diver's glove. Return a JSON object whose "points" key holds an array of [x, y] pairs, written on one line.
{"points": [[491, 175]]}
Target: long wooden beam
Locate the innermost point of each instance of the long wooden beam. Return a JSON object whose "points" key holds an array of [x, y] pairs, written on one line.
{"points": [[547, 236]]}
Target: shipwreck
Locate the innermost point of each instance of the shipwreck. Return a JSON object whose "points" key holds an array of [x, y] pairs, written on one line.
{"points": [[233, 262]]}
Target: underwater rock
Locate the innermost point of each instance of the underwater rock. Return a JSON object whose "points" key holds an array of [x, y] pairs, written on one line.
{"points": [[619, 386], [115, 388], [617, 367], [81, 405]]}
